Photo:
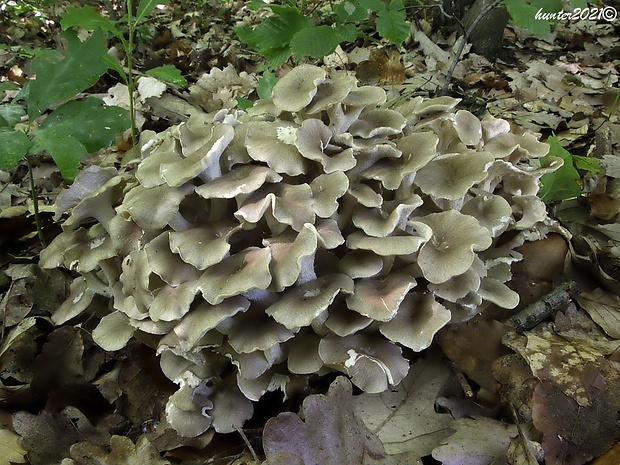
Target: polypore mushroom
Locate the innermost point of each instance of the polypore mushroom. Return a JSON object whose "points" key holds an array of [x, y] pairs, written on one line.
{"points": [[417, 150], [313, 142], [236, 275], [381, 222], [204, 162], [203, 246], [450, 176], [292, 255], [303, 355], [451, 249], [273, 143], [166, 264], [373, 363], [331, 92], [186, 415], [263, 334], [241, 180], [468, 127], [140, 207], [417, 321], [378, 123], [299, 306], [113, 331], [288, 205], [492, 211], [98, 205], [297, 88], [379, 299]]}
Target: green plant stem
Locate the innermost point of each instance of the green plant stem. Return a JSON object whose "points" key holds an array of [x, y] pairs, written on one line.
{"points": [[35, 204], [130, 78]]}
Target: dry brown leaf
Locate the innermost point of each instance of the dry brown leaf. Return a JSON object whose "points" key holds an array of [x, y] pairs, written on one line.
{"points": [[389, 414], [604, 308], [479, 441], [330, 433], [121, 451], [572, 366], [573, 434], [48, 436], [473, 347]]}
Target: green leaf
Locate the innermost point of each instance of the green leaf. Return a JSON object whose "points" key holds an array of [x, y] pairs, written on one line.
{"points": [[392, 23], [589, 164], [7, 86], [244, 103], [265, 84], [13, 147], [168, 73], [90, 122], [275, 32], [278, 56], [314, 42], [88, 18], [563, 183], [112, 63], [372, 5], [63, 148], [579, 4], [12, 113], [351, 11], [346, 32], [146, 7], [524, 15], [78, 70]]}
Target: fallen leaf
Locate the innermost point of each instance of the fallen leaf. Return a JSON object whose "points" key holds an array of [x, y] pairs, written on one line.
{"points": [[404, 417], [573, 434], [121, 451], [604, 308], [473, 346], [48, 436], [330, 433], [572, 366], [10, 449], [476, 441], [60, 361]]}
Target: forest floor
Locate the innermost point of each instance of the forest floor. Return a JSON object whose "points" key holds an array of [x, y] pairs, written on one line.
{"points": [[481, 394]]}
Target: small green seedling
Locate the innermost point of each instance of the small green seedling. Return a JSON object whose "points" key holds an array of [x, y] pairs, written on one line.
{"points": [[291, 30], [73, 128], [563, 184], [125, 31]]}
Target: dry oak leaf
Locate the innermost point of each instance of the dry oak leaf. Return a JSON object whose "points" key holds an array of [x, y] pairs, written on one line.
{"points": [[122, 451], [574, 366], [572, 434], [604, 308], [330, 434], [48, 436], [10, 449], [404, 417], [477, 441]]}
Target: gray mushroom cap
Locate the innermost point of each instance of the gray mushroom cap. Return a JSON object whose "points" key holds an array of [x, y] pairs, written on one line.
{"points": [[450, 251], [298, 87]]}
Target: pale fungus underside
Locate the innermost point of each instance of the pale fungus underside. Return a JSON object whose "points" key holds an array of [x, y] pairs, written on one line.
{"points": [[316, 232]]}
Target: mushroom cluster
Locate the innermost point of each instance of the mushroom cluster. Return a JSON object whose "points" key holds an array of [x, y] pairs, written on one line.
{"points": [[319, 231]]}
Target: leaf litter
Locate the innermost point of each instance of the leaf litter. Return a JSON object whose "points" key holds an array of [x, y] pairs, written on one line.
{"points": [[558, 381]]}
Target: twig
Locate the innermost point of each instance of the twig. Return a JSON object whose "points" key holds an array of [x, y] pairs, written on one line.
{"points": [[540, 310], [247, 443], [468, 33]]}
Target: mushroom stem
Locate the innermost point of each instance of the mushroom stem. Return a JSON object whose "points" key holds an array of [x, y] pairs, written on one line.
{"points": [[306, 272], [179, 223]]}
